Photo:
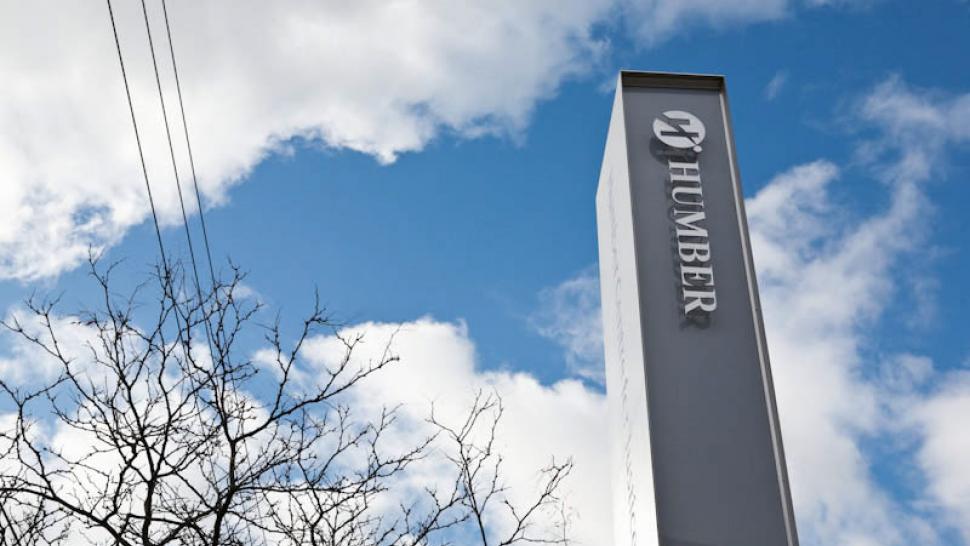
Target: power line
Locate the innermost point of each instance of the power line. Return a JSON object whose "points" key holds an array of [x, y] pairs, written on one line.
{"points": [[134, 123], [166, 272], [171, 151], [188, 143], [141, 155]]}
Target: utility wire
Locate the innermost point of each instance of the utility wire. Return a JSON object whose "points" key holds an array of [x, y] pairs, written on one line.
{"points": [[188, 143], [134, 124], [178, 185], [166, 271], [175, 171]]}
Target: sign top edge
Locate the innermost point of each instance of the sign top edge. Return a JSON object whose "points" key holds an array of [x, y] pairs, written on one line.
{"points": [[636, 78]]}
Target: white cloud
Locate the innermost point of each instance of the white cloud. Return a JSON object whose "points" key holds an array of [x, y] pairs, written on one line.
{"points": [[916, 125], [658, 20], [569, 314], [776, 84], [943, 419], [826, 279], [840, 3], [819, 289], [438, 364], [24, 363], [374, 77]]}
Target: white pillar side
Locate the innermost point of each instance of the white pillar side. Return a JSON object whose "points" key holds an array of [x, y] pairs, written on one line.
{"points": [[634, 510]]}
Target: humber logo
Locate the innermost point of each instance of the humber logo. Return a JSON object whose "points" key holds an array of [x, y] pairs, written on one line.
{"points": [[679, 129], [683, 133]]}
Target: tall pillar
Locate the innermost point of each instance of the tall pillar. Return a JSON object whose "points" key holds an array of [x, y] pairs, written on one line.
{"points": [[697, 457]]}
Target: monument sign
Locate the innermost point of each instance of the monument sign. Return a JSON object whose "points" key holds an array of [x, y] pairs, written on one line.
{"points": [[697, 454]]}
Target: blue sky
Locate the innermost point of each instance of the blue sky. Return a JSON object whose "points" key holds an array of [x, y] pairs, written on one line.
{"points": [[463, 194]]}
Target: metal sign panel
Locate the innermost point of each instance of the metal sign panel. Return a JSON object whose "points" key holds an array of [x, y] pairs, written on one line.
{"points": [[693, 419]]}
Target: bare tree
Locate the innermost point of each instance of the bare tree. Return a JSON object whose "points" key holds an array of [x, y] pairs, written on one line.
{"points": [[187, 441]]}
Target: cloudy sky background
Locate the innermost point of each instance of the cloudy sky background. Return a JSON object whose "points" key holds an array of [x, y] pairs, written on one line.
{"points": [[431, 168]]}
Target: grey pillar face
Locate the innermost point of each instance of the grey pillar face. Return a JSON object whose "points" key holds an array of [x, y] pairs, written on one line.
{"points": [[718, 473]]}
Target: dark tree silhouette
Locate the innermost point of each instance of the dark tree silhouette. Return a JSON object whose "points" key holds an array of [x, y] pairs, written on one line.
{"points": [[163, 441]]}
